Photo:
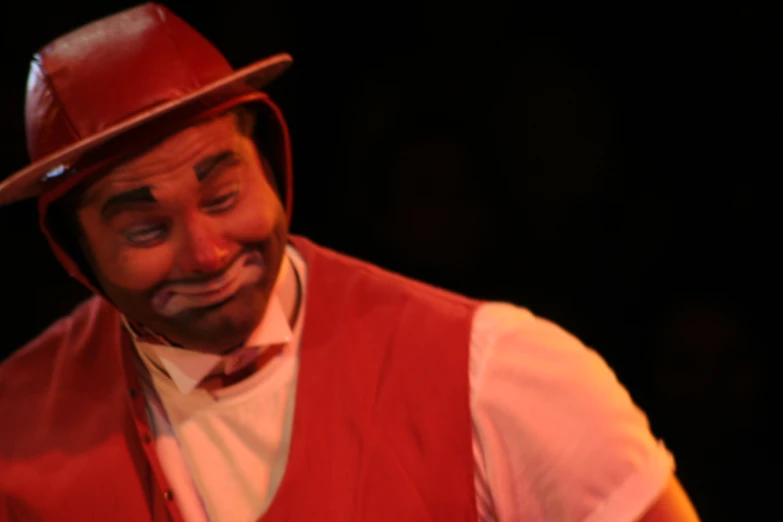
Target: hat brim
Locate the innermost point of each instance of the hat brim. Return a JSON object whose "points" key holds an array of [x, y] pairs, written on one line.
{"points": [[26, 183]]}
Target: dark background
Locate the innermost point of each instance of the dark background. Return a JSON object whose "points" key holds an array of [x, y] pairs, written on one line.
{"points": [[599, 167]]}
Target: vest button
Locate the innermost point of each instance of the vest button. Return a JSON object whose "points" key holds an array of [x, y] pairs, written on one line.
{"points": [[168, 495], [146, 438], [133, 393]]}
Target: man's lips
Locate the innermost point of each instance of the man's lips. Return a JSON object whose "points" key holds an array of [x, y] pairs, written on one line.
{"points": [[210, 286], [245, 269], [215, 290]]}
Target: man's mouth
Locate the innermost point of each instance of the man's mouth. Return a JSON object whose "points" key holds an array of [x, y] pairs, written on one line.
{"points": [[247, 269]]}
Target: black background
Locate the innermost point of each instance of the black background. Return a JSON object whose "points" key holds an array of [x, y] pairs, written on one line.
{"points": [[601, 167]]}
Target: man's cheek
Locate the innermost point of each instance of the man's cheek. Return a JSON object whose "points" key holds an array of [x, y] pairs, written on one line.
{"points": [[138, 271], [253, 224]]}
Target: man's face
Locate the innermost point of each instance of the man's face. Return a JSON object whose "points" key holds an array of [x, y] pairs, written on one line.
{"points": [[187, 238]]}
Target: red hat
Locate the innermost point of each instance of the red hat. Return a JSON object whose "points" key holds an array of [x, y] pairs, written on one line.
{"points": [[115, 86], [122, 82]]}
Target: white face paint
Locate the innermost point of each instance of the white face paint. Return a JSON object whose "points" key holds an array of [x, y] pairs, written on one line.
{"points": [[247, 269]]}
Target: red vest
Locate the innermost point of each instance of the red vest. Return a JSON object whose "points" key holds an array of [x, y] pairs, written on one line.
{"points": [[382, 427]]}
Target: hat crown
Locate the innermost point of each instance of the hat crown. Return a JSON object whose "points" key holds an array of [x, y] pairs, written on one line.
{"points": [[110, 70]]}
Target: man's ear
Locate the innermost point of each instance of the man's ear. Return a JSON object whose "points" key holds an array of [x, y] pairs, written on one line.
{"points": [[64, 225], [265, 133], [269, 173], [245, 119]]}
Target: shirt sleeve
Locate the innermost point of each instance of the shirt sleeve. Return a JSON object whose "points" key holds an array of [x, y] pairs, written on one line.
{"points": [[555, 436]]}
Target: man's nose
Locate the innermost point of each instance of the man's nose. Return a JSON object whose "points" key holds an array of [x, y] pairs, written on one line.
{"points": [[204, 251]]}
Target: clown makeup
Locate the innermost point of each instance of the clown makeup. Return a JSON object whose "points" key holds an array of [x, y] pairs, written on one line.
{"points": [[187, 238]]}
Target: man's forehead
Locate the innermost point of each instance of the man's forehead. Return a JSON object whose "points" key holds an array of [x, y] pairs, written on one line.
{"points": [[179, 151]]}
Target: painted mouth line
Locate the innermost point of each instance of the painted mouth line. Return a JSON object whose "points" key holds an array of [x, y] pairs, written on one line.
{"points": [[212, 287], [245, 269], [207, 293], [215, 306]]}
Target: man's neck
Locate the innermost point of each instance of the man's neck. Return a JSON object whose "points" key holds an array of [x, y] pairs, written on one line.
{"points": [[289, 294], [189, 369], [289, 290]]}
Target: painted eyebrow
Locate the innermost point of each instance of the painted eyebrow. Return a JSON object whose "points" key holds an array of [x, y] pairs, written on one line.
{"points": [[118, 202], [209, 165], [202, 169]]}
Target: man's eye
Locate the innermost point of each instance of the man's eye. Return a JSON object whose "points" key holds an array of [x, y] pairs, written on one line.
{"points": [[221, 203], [145, 235]]}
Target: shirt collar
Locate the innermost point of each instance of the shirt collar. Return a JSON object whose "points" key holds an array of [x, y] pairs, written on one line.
{"points": [[188, 368]]}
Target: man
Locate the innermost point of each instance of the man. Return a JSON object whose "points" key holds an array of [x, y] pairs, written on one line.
{"points": [[226, 371]]}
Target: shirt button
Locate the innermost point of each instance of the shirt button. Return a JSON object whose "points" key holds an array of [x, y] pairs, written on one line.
{"points": [[146, 438], [133, 393], [168, 495]]}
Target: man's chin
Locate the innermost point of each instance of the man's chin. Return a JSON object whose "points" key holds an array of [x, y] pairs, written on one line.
{"points": [[220, 327]]}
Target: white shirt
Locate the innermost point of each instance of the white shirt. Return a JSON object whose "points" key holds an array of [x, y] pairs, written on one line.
{"points": [[555, 436]]}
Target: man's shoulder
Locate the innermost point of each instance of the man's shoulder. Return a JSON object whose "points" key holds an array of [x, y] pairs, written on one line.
{"points": [[33, 366], [336, 271], [508, 335], [568, 424], [500, 321]]}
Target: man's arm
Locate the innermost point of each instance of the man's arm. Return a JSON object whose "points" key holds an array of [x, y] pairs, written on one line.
{"points": [[556, 436], [672, 506]]}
